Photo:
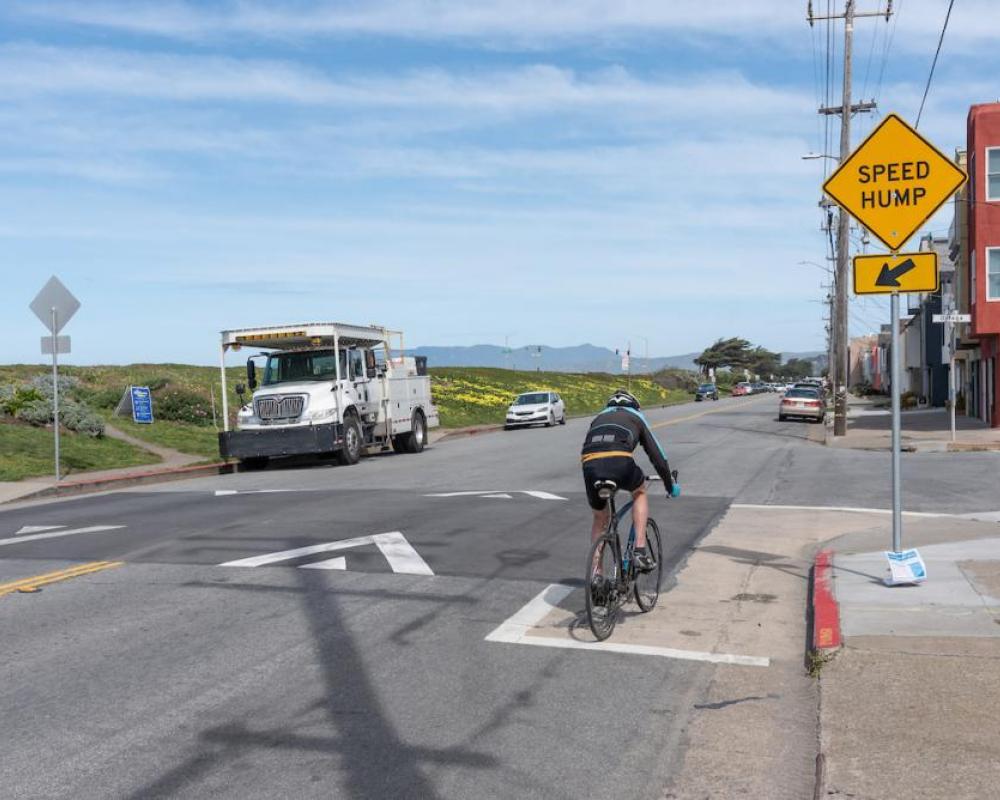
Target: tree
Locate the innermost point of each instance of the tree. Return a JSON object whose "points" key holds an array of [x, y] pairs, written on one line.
{"points": [[797, 368], [730, 353], [763, 362]]}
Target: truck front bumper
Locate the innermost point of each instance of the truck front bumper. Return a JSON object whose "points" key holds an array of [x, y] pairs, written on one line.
{"points": [[277, 442]]}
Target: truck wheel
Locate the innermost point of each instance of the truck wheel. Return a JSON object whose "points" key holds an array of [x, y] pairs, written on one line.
{"points": [[350, 450], [417, 437], [254, 463]]}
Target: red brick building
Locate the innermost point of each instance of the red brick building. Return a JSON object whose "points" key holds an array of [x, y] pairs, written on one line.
{"points": [[984, 253]]}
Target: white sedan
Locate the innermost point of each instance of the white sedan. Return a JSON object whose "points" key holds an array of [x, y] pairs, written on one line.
{"points": [[536, 408]]}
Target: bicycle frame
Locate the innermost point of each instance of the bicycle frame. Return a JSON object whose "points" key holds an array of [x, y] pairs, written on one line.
{"points": [[623, 558]]}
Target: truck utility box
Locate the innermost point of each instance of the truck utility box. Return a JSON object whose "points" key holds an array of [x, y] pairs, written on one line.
{"points": [[325, 388]]}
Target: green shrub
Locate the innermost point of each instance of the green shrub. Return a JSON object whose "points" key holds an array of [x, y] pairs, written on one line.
{"points": [[180, 405], [14, 398], [77, 417], [98, 398], [43, 383]]}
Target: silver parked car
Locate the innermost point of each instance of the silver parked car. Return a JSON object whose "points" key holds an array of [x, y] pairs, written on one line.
{"points": [[802, 402], [536, 408]]}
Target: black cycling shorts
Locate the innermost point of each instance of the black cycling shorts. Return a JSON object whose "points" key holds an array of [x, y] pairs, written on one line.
{"points": [[620, 469]]}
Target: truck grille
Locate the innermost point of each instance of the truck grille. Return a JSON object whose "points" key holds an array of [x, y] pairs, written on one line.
{"points": [[287, 407]]}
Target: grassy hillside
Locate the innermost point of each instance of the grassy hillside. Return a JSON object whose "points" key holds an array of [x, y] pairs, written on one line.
{"points": [[28, 452], [478, 395], [182, 395]]}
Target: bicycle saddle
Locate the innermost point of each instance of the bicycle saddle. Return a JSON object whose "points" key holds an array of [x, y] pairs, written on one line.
{"points": [[605, 489]]}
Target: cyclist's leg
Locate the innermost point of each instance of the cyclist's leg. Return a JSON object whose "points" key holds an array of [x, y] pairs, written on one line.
{"points": [[600, 525], [640, 513]]}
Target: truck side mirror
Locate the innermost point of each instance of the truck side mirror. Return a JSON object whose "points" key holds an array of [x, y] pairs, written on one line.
{"points": [[371, 369], [251, 375], [240, 391]]}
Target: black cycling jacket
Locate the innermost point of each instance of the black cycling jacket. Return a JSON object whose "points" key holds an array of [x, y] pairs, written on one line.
{"points": [[618, 431]]}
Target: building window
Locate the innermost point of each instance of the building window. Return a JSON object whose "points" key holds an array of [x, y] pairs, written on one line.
{"points": [[993, 273], [993, 173]]}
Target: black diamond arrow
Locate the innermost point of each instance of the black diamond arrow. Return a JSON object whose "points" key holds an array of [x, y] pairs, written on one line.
{"points": [[890, 277]]}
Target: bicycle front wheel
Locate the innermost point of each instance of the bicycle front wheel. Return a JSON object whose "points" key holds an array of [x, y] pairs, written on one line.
{"points": [[601, 588], [647, 584]]}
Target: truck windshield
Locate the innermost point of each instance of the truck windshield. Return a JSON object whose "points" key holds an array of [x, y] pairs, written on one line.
{"points": [[314, 365]]}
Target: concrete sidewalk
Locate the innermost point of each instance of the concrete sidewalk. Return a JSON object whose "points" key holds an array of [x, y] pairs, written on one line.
{"points": [[924, 430], [909, 704]]}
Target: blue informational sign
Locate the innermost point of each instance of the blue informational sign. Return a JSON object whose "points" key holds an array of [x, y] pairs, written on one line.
{"points": [[142, 404]]}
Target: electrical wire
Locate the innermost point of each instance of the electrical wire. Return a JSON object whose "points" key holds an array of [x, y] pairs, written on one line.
{"points": [[937, 52], [888, 47]]}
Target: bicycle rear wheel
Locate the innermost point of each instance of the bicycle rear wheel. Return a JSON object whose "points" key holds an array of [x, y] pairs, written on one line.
{"points": [[647, 584], [601, 587]]}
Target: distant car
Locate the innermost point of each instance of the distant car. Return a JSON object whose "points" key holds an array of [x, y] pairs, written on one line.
{"points": [[536, 408], [707, 391], [810, 385], [804, 402], [741, 389]]}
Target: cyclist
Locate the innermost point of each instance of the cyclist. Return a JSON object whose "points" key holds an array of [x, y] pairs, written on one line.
{"points": [[607, 455]]}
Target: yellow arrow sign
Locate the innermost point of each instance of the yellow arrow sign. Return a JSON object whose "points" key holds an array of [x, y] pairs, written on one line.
{"points": [[894, 181], [900, 272]]}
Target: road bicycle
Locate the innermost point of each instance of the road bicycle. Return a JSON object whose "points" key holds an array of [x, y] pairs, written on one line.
{"points": [[612, 577]]}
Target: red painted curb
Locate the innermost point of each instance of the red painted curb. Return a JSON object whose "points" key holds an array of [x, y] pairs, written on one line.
{"points": [[825, 611]]}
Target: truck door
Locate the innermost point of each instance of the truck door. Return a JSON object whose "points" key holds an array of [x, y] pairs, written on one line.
{"points": [[360, 391]]}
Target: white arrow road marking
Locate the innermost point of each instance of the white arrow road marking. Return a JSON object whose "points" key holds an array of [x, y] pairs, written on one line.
{"points": [[53, 534], [397, 551], [515, 631], [496, 496], [461, 494], [545, 495], [496, 493], [227, 492], [401, 555], [331, 563], [37, 529]]}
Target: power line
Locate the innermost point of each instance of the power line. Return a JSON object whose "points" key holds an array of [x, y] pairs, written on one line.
{"points": [[890, 36], [937, 52]]}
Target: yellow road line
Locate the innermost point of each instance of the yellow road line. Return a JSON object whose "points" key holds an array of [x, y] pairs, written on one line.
{"points": [[31, 584], [702, 414]]}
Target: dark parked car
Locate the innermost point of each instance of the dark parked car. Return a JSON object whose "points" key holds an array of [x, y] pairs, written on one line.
{"points": [[707, 391]]}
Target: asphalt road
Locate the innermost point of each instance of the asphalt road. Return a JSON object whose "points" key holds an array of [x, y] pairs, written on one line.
{"points": [[369, 676]]}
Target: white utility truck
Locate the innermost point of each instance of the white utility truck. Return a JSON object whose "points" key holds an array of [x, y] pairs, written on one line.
{"points": [[325, 387]]}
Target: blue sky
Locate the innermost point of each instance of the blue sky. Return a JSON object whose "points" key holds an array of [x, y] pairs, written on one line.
{"points": [[558, 173]]}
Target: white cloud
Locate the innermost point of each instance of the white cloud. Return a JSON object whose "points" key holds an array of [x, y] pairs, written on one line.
{"points": [[513, 22], [27, 70]]}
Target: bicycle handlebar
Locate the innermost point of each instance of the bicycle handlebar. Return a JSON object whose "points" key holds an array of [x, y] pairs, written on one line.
{"points": [[675, 489]]}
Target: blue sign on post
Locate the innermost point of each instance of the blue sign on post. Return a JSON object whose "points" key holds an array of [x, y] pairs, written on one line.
{"points": [[142, 404]]}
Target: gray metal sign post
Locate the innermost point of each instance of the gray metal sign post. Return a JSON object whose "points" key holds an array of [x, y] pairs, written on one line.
{"points": [[55, 305], [897, 503]]}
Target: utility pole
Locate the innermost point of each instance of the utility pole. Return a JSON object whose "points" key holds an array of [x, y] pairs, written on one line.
{"points": [[841, 350]]}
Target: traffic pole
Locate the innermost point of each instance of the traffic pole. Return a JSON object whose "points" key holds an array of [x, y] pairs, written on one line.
{"points": [[55, 384], [952, 384], [897, 505]]}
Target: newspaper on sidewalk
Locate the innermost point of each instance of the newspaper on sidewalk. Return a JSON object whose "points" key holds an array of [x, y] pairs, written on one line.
{"points": [[905, 568]]}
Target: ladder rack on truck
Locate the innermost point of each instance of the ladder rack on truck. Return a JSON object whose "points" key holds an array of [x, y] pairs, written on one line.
{"points": [[326, 387]]}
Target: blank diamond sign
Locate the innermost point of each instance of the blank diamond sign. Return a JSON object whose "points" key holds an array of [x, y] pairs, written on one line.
{"points": [[54, 296]]}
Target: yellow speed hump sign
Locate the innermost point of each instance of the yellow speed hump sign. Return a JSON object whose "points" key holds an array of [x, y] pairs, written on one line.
{"points": [[897, 272], [894, 181]]}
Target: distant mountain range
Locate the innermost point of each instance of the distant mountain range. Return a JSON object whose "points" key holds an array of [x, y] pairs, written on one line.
{"points": [[581, 358]]}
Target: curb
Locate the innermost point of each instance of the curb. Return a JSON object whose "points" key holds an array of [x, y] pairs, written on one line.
{"points": [[826, 633], [132, 479]]}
